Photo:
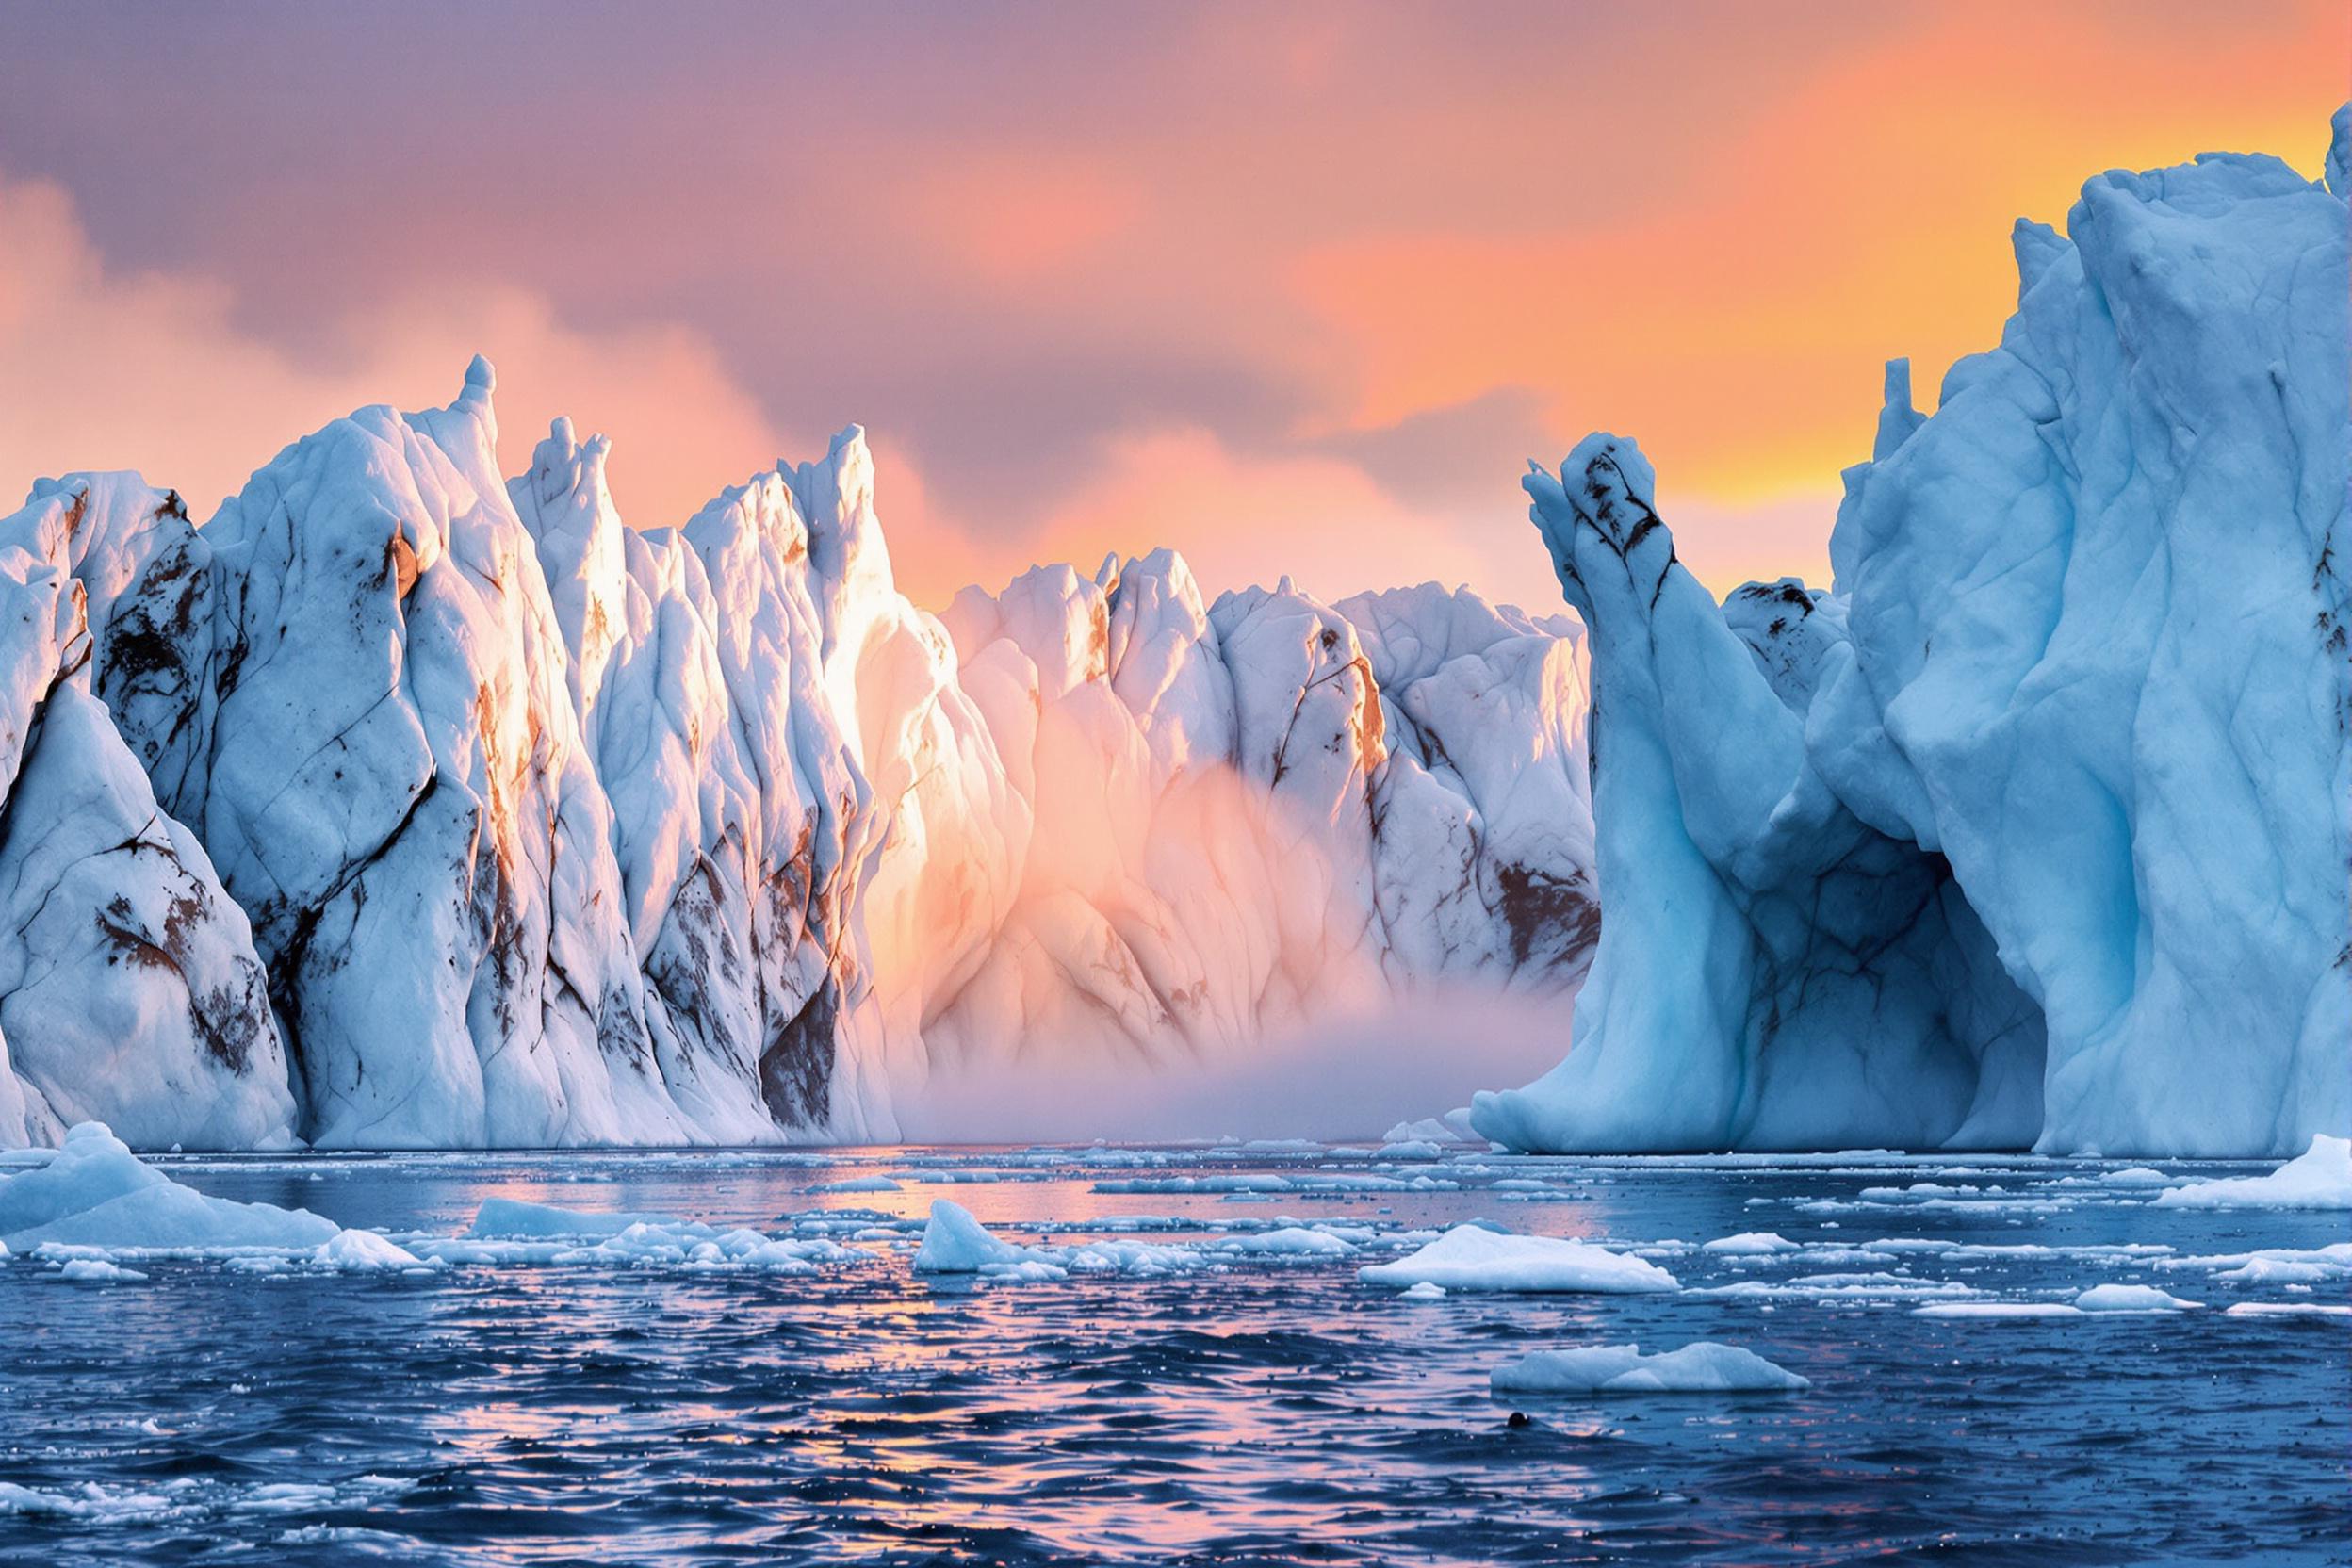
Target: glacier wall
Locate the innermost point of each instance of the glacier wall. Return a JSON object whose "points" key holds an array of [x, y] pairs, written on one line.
{"points": [[2034, 829], [403, 803]]}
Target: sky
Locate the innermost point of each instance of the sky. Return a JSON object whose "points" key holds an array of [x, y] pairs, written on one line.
{"points": [[1294, 288]]}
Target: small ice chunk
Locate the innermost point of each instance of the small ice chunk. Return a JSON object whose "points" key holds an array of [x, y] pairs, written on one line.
{"points": [[1749, 1243], [1427, 1129], [96, 1271], [1702, 1367], [1409, 1149], [857, 1184], [1428, 1290], [2319, 1177], [956, 1243], [1470, 1257], [2132, 1299], [1294, 1241], [366, 1252], [2137, 1176], [1998, 1309]]}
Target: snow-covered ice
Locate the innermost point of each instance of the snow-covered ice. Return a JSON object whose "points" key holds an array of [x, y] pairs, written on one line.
{"points": [[2319, 1177], [1749, 1243], [956, 1243], [2116, 1298], [1701, 1367], [1471, 1257]]}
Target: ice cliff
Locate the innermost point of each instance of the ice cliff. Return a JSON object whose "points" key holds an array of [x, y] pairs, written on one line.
{"points": [[403, 803], [2035, 828]]}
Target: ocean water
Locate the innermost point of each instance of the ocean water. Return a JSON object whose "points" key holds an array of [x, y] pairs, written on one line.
{"points": [[1228, 1410]]}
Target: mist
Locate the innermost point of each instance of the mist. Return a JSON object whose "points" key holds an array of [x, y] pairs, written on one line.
{"points": [[1337, 1079]]}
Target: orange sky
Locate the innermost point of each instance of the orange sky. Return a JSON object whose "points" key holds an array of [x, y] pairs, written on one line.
{"points": [[1291, 288]]}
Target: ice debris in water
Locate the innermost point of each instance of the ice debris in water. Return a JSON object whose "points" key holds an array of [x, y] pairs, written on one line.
{"points": [[2319, 1177], [2132, 1299], [956, 1243], [2099, 1298], [1470, 1257], [1702, 1367], [509, 1232], [1750, 1244]]}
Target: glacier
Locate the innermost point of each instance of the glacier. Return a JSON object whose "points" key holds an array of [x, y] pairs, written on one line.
{"points": [[405, 804], [2034, 828]]}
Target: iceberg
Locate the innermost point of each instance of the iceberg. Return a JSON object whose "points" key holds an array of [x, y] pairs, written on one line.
{"points": [[2035, 828], [407, 804]]}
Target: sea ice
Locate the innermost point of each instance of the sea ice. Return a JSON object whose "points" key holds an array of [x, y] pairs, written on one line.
{"points": [[956, 1243], [1750, 1244], [1471, 1257], [2132, 1299], [2319, 1177], [95, 1192], [1701, 1367]]}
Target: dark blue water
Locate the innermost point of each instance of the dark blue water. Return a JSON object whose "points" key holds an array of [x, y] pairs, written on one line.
{"points": [[1255, 1413]]}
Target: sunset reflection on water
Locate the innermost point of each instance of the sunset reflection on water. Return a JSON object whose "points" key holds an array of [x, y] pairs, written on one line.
{"points": [[1262, 1412]]}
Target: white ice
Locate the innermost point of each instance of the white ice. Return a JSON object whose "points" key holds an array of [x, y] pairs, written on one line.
{"points": [[1701, 1367], [2319, 1177], [1471, 1257], [2034, 827]]}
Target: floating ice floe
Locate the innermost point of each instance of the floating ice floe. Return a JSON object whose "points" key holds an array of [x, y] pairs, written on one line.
{"points": [[1470, 1257], [1309, 1182], [957, 1243], [507, 1232], [1831, 1287], [2289, 1309], [857, 1184], [1702, 1368], [2296, 1266], [2097, 1301], [2132, 1299], [2319, 1177], [1748, 1244], [93, 1192], [1290, 1241]]}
